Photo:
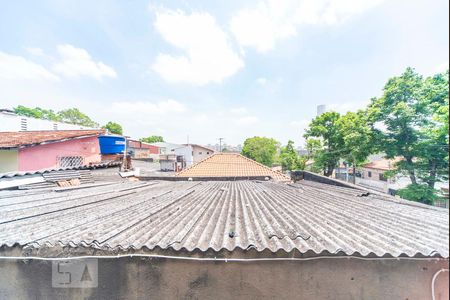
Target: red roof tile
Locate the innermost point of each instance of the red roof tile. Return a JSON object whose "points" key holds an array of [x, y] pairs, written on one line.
{"points": [[27, 138], [230, 165]]}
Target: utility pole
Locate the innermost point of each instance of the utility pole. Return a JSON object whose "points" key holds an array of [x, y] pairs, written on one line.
{"points": [[124, 160], [220, 144]]}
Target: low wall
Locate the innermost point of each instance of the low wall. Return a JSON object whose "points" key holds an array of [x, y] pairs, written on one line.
{"points": [[160, 278], [310, 176]]}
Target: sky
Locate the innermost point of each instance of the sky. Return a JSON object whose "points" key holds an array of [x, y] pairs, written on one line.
{"points": [[214, 69]]}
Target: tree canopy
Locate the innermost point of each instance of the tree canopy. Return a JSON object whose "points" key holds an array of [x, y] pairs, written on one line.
{"points": [[75, 116], [152, 139], [327, 129], [71, 115], [290, 160], [113, 128], [409, 121], [261, 149], [414, 112], [37, 112]]}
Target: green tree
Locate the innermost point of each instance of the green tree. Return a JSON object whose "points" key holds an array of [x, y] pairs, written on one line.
{"points": [[37, 112], [418, 192], [326, 127], [261, 149], [75, 116], [359, 137], [152, 139], [113, 128], [313, 146], [414, 114], [290, 160]]}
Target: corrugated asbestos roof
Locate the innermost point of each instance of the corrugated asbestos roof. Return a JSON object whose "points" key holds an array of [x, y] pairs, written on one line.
{"points": [[218, 216], [230, 165], [25, 138], [104, 164]]}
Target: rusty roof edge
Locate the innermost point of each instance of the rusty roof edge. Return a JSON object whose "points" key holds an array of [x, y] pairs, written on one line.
{"points": [[57, 141]]}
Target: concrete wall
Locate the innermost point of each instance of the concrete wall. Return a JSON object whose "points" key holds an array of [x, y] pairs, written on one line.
{"points": [[139, 278], [13, 122], [46, 156], [200, 153], [9, 161]]}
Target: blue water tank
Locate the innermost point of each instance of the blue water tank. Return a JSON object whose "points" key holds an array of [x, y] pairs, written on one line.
{"points": [[111, 144]]}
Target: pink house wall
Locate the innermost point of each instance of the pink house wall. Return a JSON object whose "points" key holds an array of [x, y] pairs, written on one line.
{"points": [[46, 156]]}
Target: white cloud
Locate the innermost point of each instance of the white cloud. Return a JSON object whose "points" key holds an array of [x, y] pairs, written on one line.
{"points": [[76, 62], [247, 120], [261, 81], [208, 56], [35, 51], [238, 110], [299, 124], [147, 108], [272, 20], [17, 67]]}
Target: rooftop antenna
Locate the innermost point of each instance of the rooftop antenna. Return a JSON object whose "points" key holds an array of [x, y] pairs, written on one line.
{"points": [[188, 139], [220, 144]]}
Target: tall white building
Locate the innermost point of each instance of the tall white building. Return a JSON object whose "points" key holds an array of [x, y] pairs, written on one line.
{"points": [[321, 109]]}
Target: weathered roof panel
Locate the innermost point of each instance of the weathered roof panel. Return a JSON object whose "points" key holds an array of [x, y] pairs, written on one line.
{"points": [[25, 138], [224, 216]]}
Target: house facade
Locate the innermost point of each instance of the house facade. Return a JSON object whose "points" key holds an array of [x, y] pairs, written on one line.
{"points": [[37, 150], [199, 153], [141, 150]]}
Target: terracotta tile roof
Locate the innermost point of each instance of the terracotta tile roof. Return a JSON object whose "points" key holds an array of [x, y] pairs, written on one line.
{"points": [[230, 165], [383, 164], [27, 138]]}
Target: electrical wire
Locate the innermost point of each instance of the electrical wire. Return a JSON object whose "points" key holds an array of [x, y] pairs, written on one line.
{"points": [[433, 282]]}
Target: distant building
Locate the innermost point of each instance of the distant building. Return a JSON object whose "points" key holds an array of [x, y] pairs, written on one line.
{"points": [[36, 150], [9, 121], [198, 153], [176, 157], [302, 152], [140, 149], [321, 109], [373, 175]]}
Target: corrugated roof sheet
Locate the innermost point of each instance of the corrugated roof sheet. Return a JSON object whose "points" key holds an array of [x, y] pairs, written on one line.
{"points": [[217, 216], [20, 139], [104, 164], [230, 165]]}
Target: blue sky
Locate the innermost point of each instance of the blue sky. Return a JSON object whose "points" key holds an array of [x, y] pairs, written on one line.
{"points": [[214, 69]]}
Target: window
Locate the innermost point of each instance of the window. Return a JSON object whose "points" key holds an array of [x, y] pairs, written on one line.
{"points": [[200, 153], [369, 174], [23, 124], [207, 152], [70, 161], [382, 177]]}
